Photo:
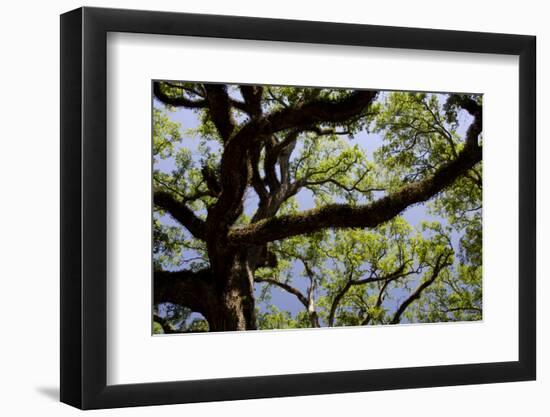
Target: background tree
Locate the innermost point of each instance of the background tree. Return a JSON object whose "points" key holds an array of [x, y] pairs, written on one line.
{"points": [[352, 259]]}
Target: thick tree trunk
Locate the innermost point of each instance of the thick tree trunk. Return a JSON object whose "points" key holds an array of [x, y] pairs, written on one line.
{"points": [[234, 312], [235, 307]]}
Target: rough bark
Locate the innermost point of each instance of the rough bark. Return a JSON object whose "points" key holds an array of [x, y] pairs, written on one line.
{"points": [[227, 304], [236, 309], [180, 212]]}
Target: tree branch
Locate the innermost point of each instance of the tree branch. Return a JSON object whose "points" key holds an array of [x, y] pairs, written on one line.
{"points": [[379, 301], [336, 302], [185, 198], [256, 180], [253, 99], [418, 292], [177, 101], [180, 212], [348, 189], [219, 105], [269, 165], [398, 273], [472, 308], [320, 111], [370, 215], [471, 106], [194, 290], [211, 179], [286, 287], [311, 311], [235, 172]]}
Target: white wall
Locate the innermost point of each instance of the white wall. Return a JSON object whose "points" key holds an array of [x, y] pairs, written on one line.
{"points": [[29, 175]]}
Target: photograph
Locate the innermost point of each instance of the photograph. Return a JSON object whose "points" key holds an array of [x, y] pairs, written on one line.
{"points": [[232, 187], [290, 207]]}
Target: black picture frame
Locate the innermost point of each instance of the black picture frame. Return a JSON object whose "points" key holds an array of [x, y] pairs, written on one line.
{"points": [[84, 207]]}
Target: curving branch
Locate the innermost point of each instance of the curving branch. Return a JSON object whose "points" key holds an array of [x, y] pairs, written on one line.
{"points": [[471, 106], [270, 163], [373, 214], [194, 290], [471, 308], [337, 298], [180, 212], [347, 188], [317, 111], [219, 106], [210, 177], [379, 300], [307, 301], [252, 95], [186, 198], [288, 288], [177, 101], [311, 311], [369, 215], [439, 265], [235, 171], [257, 181], [398, 273]]}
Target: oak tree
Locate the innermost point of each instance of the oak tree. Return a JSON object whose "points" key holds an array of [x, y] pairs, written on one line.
{"points": [[351, 259]]}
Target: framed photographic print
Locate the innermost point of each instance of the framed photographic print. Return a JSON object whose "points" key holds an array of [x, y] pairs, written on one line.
{"points": [[258, 208]]}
